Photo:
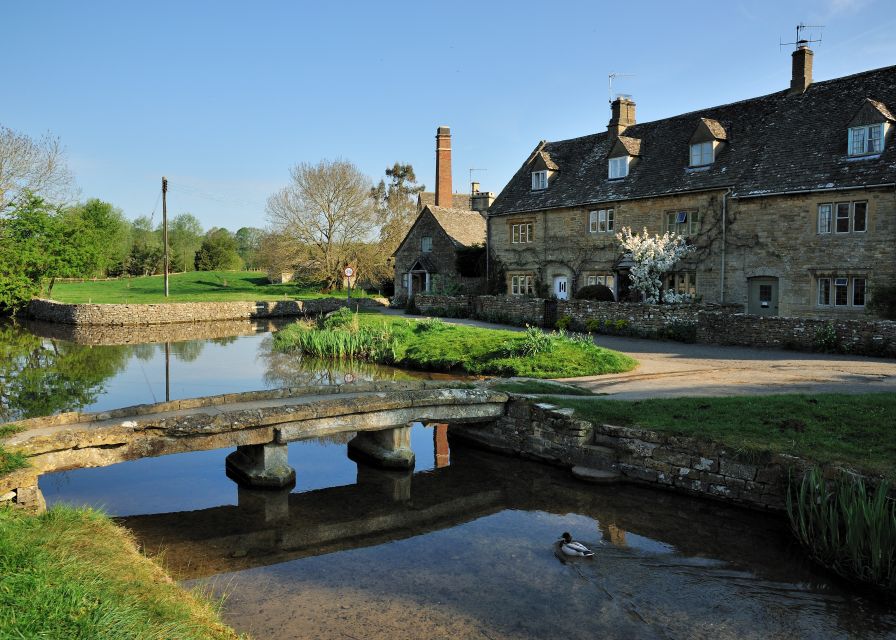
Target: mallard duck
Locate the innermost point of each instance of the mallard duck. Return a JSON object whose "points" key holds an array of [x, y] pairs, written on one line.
{"points": [[570, 547]]}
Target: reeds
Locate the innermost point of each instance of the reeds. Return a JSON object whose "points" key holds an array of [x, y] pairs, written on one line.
{"points": [[846, 527], [361, 343]]}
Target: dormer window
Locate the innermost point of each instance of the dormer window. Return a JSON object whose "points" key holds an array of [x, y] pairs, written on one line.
{"points": [[539, 180], [866, 139], [619, 167], [702, 153]]}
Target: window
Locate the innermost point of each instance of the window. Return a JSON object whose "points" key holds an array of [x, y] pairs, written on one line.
{"points": [[521, 232], [843, 217], [522, 285], [682, 282], [539, 180], [426, 244], [841, 292], [701, 153], [601, 221], [619, 167], [606, 280], [866, 139], [683, 223]]}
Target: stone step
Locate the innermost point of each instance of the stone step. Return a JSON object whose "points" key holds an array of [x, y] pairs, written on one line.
{"points": [[594, 455], [596, 476]]}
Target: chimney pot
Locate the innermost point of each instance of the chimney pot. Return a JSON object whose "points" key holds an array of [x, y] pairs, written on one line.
{"points": [[443, 167], [622, 115], [802, 68]]}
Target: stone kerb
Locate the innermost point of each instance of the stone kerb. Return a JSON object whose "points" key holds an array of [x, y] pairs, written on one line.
{"points": [[176, 312]]}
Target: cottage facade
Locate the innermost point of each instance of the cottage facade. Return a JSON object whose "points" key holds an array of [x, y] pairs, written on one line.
{"points": [[789, 199]]}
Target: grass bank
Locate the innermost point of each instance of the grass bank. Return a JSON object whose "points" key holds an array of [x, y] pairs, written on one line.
{"points": [[10, 460], [432, 345], [855, 430], [193, 286], [74, 574]]}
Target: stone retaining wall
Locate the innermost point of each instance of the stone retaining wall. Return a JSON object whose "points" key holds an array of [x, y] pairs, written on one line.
{"points": [[711, 324], [174, 312], [556, 436]]}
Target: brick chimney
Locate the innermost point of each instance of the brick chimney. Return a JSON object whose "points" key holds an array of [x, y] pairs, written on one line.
{"points": [[802, 68], [622, 115], [443, 167]]}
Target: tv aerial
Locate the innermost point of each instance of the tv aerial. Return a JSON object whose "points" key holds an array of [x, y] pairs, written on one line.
{"points": [[800, 40], [611, 77]]}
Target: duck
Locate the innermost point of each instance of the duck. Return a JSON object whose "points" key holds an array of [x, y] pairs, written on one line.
{"points": [[570, 547]]}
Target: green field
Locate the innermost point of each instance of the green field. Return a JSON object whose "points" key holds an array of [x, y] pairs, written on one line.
{"points": [[193, 286], [72, 573], [856, 430], [433, 345]]}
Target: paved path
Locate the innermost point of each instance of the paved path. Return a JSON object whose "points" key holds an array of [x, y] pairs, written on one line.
{"points": [[669, 369]]}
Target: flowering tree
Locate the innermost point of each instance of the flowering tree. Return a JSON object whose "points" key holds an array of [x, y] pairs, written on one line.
{"points": [[653, 256]]}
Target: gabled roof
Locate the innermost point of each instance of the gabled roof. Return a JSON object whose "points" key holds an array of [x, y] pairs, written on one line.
{"points": [[631, 146], [775, 143], [715, 128], [465, 228], [458, 200], [880, 106], [542, 160]]}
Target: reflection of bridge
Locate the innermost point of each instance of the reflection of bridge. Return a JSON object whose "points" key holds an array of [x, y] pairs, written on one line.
{"points": [[258, 424], [274, 526]]}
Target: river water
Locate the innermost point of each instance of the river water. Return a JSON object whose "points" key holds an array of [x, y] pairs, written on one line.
{"points": [[460, 548]]}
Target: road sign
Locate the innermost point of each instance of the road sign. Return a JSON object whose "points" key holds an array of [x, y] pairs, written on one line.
{"points": [[349, 272]]}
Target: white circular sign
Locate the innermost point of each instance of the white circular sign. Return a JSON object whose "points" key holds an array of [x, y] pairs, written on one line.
{"points": [[349, 272]]}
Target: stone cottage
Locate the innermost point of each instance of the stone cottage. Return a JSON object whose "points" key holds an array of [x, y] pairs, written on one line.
{"points": [[788, 198], [426, 259]]}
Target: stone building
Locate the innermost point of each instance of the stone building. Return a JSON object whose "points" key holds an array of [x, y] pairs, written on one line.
{"points": [[426, 259], [789, 199]]}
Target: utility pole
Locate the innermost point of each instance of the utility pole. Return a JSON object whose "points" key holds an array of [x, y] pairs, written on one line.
{"points": [[165, 227]]}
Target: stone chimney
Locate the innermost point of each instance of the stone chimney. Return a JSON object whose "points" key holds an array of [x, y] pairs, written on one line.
{"points": [[480, 200], [802, 68], [443, 167], [622, 115]]}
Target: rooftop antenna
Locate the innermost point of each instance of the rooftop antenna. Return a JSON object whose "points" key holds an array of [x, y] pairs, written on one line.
{"points": [[471, 173], [613, 76], [800, 40]]}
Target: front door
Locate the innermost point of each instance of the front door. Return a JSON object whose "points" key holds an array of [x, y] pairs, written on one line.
{"points": [[763, 296], [560, 287]]}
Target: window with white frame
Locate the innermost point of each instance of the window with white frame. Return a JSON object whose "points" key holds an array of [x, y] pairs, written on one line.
{"points": [[619, 167], [843, 217], [682, 223], [841, 291], [426, 244], [866, 139], [601, 221], [521, 233], [522, 284], [608, 280], [701, 153], [539, 180]]}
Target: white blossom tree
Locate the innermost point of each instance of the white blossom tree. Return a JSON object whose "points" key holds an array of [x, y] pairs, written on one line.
{"points": [[653, 256]]}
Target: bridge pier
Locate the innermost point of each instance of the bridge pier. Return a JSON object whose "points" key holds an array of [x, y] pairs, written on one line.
{"points": [[389, 448], [394, 485], [30, 498], [261, 466]]}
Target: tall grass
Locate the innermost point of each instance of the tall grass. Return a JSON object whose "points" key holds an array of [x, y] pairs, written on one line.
{"points": [[846, 527], [343, 343]]}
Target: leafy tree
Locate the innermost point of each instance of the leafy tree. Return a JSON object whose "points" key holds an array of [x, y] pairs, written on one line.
{"points": [[31, 166], [653, 256], [325, 212], [184, 238], [218, 252], [102, 236], [396, 206], [248, 241], [146, 253]]}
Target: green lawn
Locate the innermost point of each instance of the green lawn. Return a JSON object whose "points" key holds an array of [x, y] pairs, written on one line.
{"points": [[433, 345], [856, 430], [193, 286], [72, 573]]}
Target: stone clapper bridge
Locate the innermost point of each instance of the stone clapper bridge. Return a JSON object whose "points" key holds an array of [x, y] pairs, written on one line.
{"points": [[259, 424]]}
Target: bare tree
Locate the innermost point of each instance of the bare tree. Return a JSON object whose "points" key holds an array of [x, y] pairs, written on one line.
{"points": [[31, 165], [328, 210]]}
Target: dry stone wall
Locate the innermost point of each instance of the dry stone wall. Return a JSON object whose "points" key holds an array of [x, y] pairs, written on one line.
{"points": [[174, 312]]}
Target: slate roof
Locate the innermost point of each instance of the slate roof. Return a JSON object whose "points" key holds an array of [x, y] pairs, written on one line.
{"points": [[458, 200], [464, 227], [775, 143]]}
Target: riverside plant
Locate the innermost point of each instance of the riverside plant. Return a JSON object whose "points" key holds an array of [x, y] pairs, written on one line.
{"points": [[344, 343], [847, 528]]}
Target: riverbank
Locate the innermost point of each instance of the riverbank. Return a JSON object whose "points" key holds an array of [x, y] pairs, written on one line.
{"points": [[72, 573]]}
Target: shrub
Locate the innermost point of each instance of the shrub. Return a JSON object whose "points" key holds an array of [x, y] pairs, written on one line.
{"points": [[883, 301], [597, 292], [680, 331], [846, 528], [563, 323], [825, 339]]}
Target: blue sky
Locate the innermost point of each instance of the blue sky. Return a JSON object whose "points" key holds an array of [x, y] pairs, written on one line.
{"points": [[225, 97]]}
